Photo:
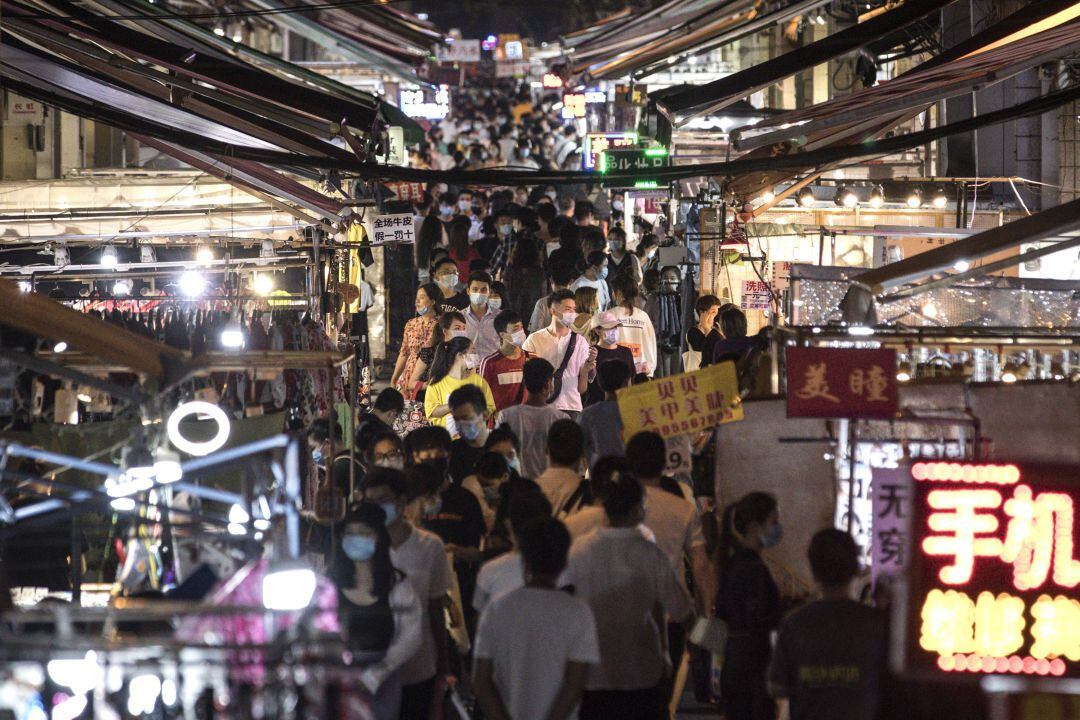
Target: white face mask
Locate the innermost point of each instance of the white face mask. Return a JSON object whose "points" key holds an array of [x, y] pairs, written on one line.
{"points": [[458, 333], [472, 361], [517, 338], [568, 318], [552, 194], [611, 336], [617, 205]]}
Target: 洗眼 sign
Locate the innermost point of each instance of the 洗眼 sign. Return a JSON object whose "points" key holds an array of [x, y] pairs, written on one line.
{"points": [[755, 295], [993, 571], [841, 383], [682, 404], [393, 229]]}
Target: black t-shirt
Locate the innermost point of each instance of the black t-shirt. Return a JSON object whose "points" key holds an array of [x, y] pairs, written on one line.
{"points": [[619, 353], [830, 660], [703, 343], [454, 303], [463, 459], [460, 521]]}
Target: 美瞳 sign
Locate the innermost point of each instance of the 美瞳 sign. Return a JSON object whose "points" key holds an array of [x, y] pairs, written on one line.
{"points": [[841, 383]]}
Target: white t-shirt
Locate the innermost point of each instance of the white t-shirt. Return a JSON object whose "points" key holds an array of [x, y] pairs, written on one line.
{"points": [[544, 343], [587, 519], [636, 332], [676, 525], [422, 558], [529, 635], [603, 295], [497, 577], [531, 424]]}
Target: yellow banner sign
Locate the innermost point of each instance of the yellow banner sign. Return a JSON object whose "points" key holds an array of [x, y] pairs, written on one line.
{"points": [[682, 404]]}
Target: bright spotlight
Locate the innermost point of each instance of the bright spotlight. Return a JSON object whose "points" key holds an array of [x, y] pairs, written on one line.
{"points": [[192, 283], [263, 284], [108, 256], [288, 586]]}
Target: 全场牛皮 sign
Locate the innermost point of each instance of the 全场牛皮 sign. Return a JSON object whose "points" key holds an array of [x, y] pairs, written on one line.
{"points": [[393, 229], [682, 404]]}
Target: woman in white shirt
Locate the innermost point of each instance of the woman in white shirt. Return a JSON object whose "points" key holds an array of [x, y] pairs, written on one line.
{"points": [[380, 613], [635, 328]]}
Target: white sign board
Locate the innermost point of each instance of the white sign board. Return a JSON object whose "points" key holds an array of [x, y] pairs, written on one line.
{"points": [[396, 154], [890, 497], [679, 456], [781, 275], [459, 51], [755, 295], [427, 104], [393, 229]]}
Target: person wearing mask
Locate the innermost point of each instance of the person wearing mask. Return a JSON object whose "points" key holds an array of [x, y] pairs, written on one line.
{"points": [[461, 250], [664, 309], [447, 278], [621, 260], [421, 557], [536, 645], [595, 276], [417, 333], [507, 240], [635, 328], [584, 214], [480, 318], [468, 407], [385, 450], [601, 423], [632, 589], [385, 411], [676, 525], [562, 274], [379, 611], [533, 418], [503, 369], [454, 366], [497, 298], [505, 573], [702, 338], [449, 326], [748, 600], [566, 206], [829, 658], [735, 346], [327, 443], [574, 361], [607, 329], [504, 441], [569, 251], [585, 300], [646, 253], [562, 481], [489, 474], [447, 209]]}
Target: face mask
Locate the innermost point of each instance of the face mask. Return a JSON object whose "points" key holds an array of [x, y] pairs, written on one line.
{"points": [[611, 336], [515, 464], [458, 333], [471, 430], [517, 339], [568, 318], [440, 464], [772, 536], [617, 205], [478, 299], [445, 210], [317, 456], [447, 281], [477, 209], [390, 509], [602, 272], [671, 285], [495, 304], [552, 194], [615, 246], [505, 229], [471, 361], [464, 205], [422, 309], [651, 254], [358, 548], [396, 463]]}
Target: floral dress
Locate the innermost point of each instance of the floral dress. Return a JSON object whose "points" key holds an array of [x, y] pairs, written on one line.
{"points": [[417, 333]]}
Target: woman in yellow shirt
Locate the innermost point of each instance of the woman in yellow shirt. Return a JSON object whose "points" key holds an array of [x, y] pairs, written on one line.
{"points": [[454, 365]]}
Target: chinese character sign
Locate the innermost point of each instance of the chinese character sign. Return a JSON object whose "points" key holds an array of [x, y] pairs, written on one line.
{"points": [[755, 295], [994, 569], [682, 404], [841, 383], [393, 229], [890, 499]]}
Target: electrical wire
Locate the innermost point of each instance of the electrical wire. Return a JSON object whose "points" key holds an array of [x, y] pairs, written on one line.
{"points": [[169, 15]]}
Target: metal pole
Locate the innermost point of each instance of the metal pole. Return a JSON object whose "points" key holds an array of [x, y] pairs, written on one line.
{"points": [[853, 441], [292, 496]]}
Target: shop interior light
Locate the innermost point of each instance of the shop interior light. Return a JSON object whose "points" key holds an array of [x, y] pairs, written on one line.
{"points": [[80, 674], [219, 31], [940, 198], [914, 199], [1008, 374], [167, 466], [143, 693], [203, 254], [860, 330], [903, 376], [138, 461], [806, 197], [263, 284], [238, 515], [108, 256], [232, 335], [266, 249], [877, 196], [122, 287], [147, 256], [768, 196], [961, 266], [846, 197], [200, 408], [288, 585], [192, 283], [61, 255], [25, 286], [60, 347], [123, 504]]}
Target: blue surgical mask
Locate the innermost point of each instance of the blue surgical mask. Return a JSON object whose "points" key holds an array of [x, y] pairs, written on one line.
{"points": [[495, 304], [505, 229], [390, 509], [515, 464], [358, 547], [422, 310], [432, 506], [471, 430], [478, 299], [317, 456], [772, 536], [602, 274]]}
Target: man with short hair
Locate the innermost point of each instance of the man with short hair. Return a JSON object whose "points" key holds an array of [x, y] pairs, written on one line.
{"points": [[562, 482], [479, 318], [506, 238], [601, 422], [503, 368], [506, 572], [569, 353], [445, 274], [631, 587], [531, 420], [536, 644], [562, 274], [829, 659], [595, 276], [420, 556], [584, 215], [469, 409]]}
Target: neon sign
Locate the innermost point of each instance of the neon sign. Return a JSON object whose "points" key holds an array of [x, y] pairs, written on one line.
{"points": [[597, 143], [994, 570]]}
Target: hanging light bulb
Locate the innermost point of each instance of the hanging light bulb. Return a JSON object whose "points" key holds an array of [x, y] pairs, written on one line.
{"points": [[147, 256], [204, 255], [877, 196], [768, 196], [192, 283], [25, 286], [167, 466], [122, 287], [806, 197], [263, 284], [266, 249], [961, 266], [60, 347], [940, 198], [108, 256], [288, 585], [914, 198], [61, 256], [232, 335], [903, 376], [846, 197]]}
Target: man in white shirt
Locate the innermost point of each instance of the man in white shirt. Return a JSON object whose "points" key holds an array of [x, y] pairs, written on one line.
{"points": [[506, 572], [421, 557], [557, 344], [535, 645], [479, 318], [631, 587], [595, 276], [562, 481], [533, 418]]}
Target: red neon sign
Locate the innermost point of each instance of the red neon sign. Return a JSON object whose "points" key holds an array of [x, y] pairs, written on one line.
{"points": [[994, 570]]}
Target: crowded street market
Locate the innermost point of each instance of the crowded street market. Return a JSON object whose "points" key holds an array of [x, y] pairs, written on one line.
{"points": [[637, 360]]}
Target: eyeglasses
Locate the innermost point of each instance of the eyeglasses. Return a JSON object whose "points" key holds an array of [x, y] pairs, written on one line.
{"points": [[382, 457]]}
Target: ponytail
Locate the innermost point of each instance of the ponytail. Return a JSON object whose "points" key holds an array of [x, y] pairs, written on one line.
{"points": [[755, 507]]}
